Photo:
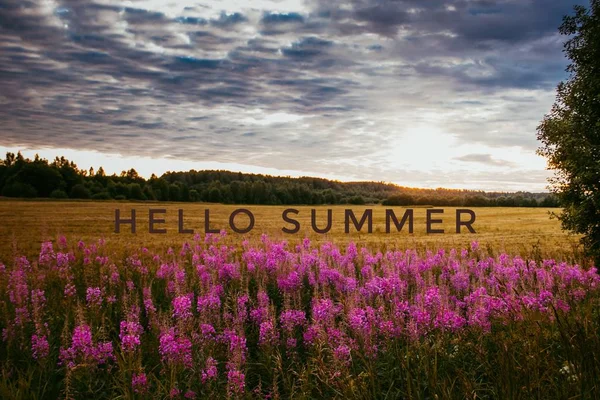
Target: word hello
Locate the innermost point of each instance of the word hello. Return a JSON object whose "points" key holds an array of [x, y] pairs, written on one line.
{"points": [[292, 225]]}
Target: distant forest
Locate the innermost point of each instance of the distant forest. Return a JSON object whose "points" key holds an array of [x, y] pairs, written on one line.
{"points": [[61, 179]]}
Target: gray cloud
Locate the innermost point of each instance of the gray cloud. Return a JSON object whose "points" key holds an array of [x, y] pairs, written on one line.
{"points": [[484, 159], [331, 81]]}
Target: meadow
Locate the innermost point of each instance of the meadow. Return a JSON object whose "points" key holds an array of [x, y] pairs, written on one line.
{"points": [[524, 231], [511, 312]]}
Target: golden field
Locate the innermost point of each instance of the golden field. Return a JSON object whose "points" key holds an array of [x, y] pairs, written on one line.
{"points": [[529, 232], [406, 325]]}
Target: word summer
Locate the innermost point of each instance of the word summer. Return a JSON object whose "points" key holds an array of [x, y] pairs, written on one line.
{"points": [[243, 221]]}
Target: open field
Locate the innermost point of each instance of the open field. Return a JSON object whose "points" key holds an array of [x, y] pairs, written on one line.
{"points": [[222, 317], [525, 231]]}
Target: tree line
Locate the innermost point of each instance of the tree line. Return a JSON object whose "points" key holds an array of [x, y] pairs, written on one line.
{"points": [[61, 179]]}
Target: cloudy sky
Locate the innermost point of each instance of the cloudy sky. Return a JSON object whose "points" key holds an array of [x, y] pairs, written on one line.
{"points": [[423, 93]]}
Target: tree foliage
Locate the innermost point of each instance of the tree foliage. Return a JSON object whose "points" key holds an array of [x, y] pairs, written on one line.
{"points": [[20, 177], [570, 133]]}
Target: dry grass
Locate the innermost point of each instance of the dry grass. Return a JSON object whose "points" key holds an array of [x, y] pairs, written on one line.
{"points": [[526, 231]]}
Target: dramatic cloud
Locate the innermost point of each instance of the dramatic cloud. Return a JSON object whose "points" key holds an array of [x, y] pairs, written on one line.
{"points": [[422, 93], [484, 159]]}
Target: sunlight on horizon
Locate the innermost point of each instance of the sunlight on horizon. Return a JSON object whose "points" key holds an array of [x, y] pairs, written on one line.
{"points": [[146, 166]]}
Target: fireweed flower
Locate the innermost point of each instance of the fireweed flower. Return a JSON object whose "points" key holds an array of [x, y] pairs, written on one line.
{"points": [[267, 334], [236, 382], [312, 333], [449, 320], [70, 290], [260, 314], [324, 311], [93, 296], [362, 320], [164, 271], [460, 281], [175, 349], [290, 283], [342, 354], [63, 260], [185, 248], [22, 263], [208, 333], [290, 319], [209, 373], [62, 242], [39, 347], [335, 337], [46, 254], [262, 299], [182, 306], [432, 298], [62, 263], [180, 275], [130, 335], [148, 304], [114, 277], [18, 291], [38, 300], [101, 260], [394, 294], [210, 303], [139, 383], [242, 308], [83, 350], [237, 346], [229, 272], [204, 274]]}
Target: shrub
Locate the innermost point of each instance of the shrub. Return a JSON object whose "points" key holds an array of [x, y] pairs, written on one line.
{"points": [[357, 200], [102, 196], [59, 194], [18, 189], [399, 200], [79, 191]]}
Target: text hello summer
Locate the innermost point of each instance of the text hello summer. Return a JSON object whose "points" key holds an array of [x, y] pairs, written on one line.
{"points": [[242, 221]]}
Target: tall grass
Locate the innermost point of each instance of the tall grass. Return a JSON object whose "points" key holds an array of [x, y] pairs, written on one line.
{"points": [[265, 319]]}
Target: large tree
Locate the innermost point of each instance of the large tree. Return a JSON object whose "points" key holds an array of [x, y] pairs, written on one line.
{"points": [[570, 133]]}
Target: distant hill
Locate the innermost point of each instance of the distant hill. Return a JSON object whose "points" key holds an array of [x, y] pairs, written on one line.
{"points": [[61, 178]]}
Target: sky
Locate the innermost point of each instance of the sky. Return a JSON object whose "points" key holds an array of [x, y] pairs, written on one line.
{"points": [[434, 93]]}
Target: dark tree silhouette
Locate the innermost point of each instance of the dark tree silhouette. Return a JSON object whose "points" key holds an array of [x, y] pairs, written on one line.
{"points": [[20, 177], [570, 133]]}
